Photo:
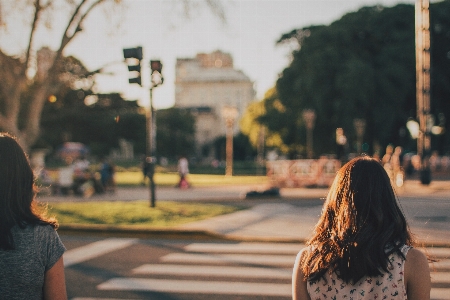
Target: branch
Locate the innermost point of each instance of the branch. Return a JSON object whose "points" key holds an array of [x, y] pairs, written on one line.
{"points": [[66, 38], [75, 22], [217, 9], [37, 10]]}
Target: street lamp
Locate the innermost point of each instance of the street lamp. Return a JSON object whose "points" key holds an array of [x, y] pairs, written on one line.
{"points": [[360, 127], [309, 116], [229, 113], [413, 128], [341, 141]]}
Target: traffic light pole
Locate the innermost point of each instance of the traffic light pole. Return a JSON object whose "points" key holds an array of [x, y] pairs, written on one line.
{"points": [[151, 147], [133, 58], [156, 80]]}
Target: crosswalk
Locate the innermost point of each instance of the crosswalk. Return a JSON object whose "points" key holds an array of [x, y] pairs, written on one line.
{"points": [[227, 269]]}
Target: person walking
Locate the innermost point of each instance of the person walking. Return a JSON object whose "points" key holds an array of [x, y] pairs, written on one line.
{"points": [[31, 252], [107, 176], [183, 170], [361, 247]]}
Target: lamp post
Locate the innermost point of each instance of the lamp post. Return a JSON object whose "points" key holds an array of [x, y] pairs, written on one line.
{"points": [[309, 116], [360, 127], [423, 85], [341, 141], [229, 113]]}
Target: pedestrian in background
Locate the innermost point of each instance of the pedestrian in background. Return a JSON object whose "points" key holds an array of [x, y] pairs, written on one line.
{"points": [[183, 170], [145, 167], [361, 247], [31, 252], [107, 176]]}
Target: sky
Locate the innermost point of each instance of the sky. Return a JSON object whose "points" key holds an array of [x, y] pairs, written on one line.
{"points": [[249, 34]]}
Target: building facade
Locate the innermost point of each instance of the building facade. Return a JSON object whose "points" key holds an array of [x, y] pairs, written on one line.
{"points": [[205, 85]]}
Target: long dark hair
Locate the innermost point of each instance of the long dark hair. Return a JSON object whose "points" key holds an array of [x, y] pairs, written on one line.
{"points": [[17, 192], [360, 226]]}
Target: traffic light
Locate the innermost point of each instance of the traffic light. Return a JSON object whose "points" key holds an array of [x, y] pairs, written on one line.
{"points": [[133, 57], [156, 65], [156, 76]]}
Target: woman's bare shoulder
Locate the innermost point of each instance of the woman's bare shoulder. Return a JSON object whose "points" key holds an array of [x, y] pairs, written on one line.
{"points": [[417, 275], [415, 255]]}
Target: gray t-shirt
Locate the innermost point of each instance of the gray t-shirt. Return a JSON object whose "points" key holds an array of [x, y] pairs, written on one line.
{"points": [[37, 249]]}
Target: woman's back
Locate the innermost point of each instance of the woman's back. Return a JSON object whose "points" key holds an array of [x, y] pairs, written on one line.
{"points": [[37, 249], [359, 245]]}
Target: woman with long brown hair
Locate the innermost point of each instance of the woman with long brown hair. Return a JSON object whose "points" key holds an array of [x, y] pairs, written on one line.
{"points": [[361, 247], [31, 261]]}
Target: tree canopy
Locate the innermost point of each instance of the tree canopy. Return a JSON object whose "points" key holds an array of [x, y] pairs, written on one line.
{"points": [[175, 133], [361, 66]]}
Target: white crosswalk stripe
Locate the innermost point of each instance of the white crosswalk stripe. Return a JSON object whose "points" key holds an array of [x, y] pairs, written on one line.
{"points": [[254, 248], [217, 271], [94, 250], [259, 259], [199, 287]]}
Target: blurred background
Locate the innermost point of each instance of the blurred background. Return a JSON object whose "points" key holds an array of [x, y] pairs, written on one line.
{"points": [[257, 81]]}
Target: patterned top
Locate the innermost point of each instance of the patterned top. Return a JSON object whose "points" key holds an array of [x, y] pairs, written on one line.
{"points": [[389, 286]]}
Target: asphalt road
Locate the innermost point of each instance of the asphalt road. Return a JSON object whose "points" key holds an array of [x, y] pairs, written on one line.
{"points": [[129, 268]]}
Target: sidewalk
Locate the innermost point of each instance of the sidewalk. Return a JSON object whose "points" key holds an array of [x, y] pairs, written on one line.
{"points": [[285, 222], [265, 221]]}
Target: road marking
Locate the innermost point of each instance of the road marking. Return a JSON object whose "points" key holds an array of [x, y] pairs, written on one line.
{"points": [[201, 287], [439, 253], [95, 249], [442, 264], [218, 271], [440, 293], [267, 248], [257, 259], [90, 298], [440, 277], [256, 265]]}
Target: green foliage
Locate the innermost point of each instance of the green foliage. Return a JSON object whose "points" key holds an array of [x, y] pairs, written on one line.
{"points": [[361, 66], [137, 213], [99, 125], [175, 133], [258, 113]]}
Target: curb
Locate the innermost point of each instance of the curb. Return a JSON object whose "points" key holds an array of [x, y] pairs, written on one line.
{"points": [[138, 232], [165, 233], [189, 234]]}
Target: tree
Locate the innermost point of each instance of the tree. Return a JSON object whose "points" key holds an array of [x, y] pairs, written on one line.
{"points": [[19, 74], [269, 110], [175, 133], [359, 67], [99, 124]]}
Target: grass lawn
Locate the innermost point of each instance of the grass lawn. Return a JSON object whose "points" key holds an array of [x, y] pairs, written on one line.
{"points": [[137, 213], [130, 178]]}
